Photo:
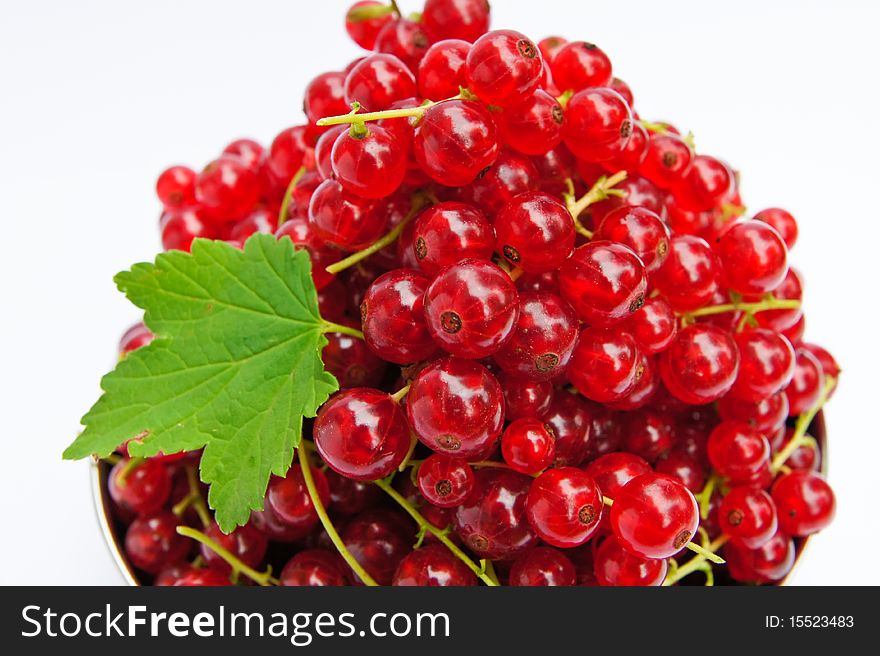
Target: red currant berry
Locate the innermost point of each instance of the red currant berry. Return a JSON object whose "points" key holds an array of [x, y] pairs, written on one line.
{"points": [[524, 397], [433, 565], [152, 542], [455, 141], [134, 338], [450, 232], [456, 407], [351, 361], [706, 184], [598, 124], [142, 487], [504, 68], [638, 191], [343, 219], [543, 566], [368, 162], [492, 522], [245, 542], [578, 65], [805, 388], [770, 562], [737, 451], [701, 364], [781, 221], [689, 277], [534, 126], [301, 233], [604, 366], [290, 502], [227, 187], [542, 340], [654, 516], [314, 568], [766, 415], [633, 154], [528, 445], [753, 257], [830, 368], [379, 540], [571, 419], [405, 40], [176, 187], [365, 20], [442, 69], [645, 388], [323, 151], [289, 151], [614, 566], [180, 576], [748, 515], [554, 167], [681, 465], [654, 326], [445, 481], [614, 470], [648, 434], [362, 433], [564, 506], [668, 160], [639, 229], [804, 501], [511, 175], [766, 364], [325, 96], [378, 81], [791, 288], [180, 227], [535, 232], [455, 19], [471, 308]]}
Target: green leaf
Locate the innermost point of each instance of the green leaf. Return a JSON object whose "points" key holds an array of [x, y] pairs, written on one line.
{"points": [[234, 367]]}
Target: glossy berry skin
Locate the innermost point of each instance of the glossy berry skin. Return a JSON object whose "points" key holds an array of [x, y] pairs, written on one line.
{"points": [[791, 288], [364, 32], [449, 232], [633, 154], [604, 366], [176, 187], [351, 361], [378, 81], [543, 339], [615, 566], [471, 308], [654, 326], [688, 278], [706, 184], [324, 149], [737, 451], [510, 175], [578, 65], [143, 489], [503, 68], [571, 418], [456, 407], [598, 124], [754, 258], [325, 96], [534, 126], [804, 501], [667, 161], [542, 566], [524, 397], [433, 565], [564, 506], [370, 165], [641, 230], [492, 522], [455, 19], [766, 416], [782, 222], [535, 232], [134, 338], [701, 364], [766, 364], [528, 445], [362, 433], [554, 167], [445, 481], [748, 515], [342, 219], [200, 578], [393, 317], [314, 568], [604, 282], [289, 500], [152, 542], [770, 562], [379, 540], [180, 227], [805, 388], [245, 542], [614, 470], [287, 153], [648, 433], [455, 141], [442, 69], [654, 516], [680, 464], [228, 187], [405, 40]]}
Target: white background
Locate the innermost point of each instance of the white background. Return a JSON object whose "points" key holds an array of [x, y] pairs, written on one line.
{"points": [[97, 97]]}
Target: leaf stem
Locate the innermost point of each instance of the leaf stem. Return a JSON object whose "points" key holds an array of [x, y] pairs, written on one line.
{"points": [[288, 194], [799, 437], [325, 520], [330, 327], [418, 202], [696, 563], [261, 578], [436, 532]]}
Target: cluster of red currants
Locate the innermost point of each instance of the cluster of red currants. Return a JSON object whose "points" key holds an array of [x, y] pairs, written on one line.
{"points": [[574, 345]]}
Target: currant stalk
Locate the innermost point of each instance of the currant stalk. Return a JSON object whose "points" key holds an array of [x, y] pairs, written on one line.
{"points": [[695, 564], [238, 567], [769, 303], [601, 189], [288, 194], [440, 534], [193, 498], [799, 437], [404, 112]]}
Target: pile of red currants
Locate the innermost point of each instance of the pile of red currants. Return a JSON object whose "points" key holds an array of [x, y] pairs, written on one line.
{"points": [[572, 360]]}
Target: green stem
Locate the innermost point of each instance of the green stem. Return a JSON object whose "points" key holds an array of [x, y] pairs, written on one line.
{"points": [[112, 459], [192, 478], [260, 578], [328, 525], [330, 327], [413, 443], [799, 437], [399, 394], [708, 554], [418, 202], [288, 194], [602, 189], [370, 12], [396, 9], [695, 564], [436, 532], [772, 303], [405, 112], [608, 502], [659, 128]]}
